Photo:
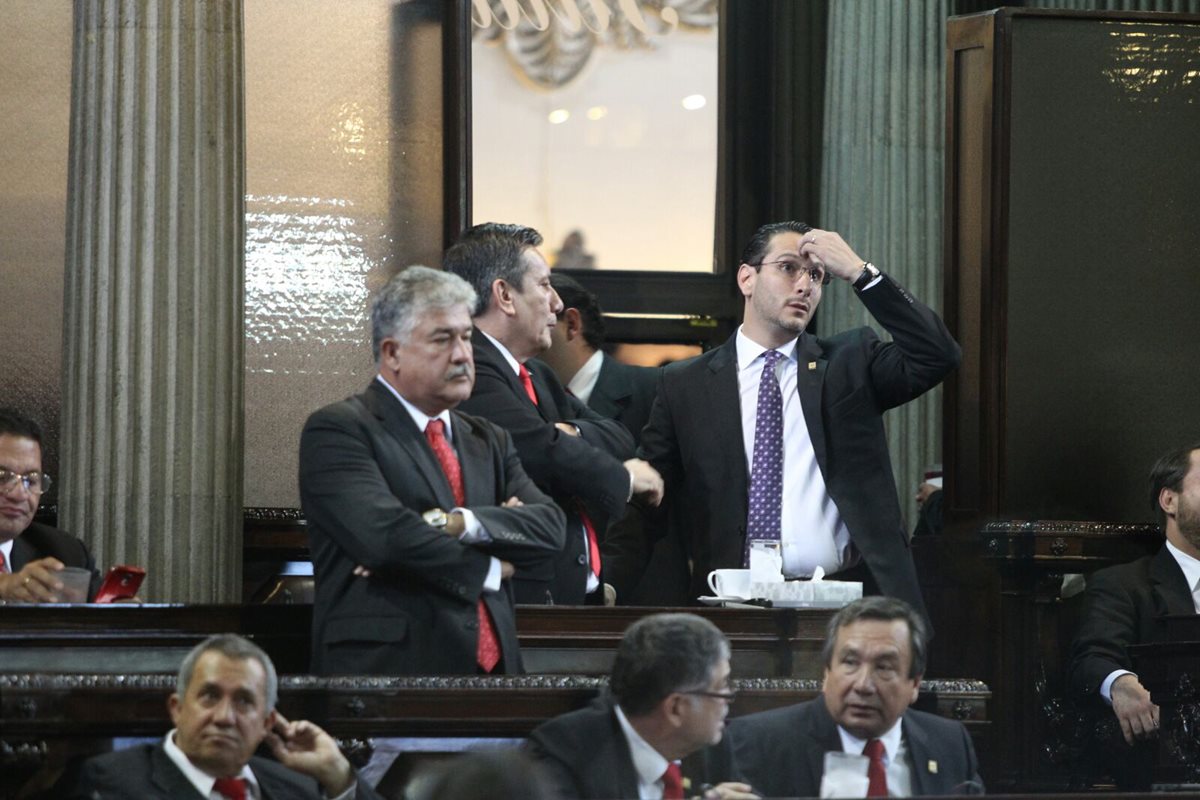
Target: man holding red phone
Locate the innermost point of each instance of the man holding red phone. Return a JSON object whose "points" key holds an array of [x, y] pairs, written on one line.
{"points": [[31, 554]]}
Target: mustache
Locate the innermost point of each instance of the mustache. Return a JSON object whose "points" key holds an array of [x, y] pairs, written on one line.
{"points": [[460, 371]]}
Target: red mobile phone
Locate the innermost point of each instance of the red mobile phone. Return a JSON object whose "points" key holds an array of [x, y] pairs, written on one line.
{"points": [[120, 583]]}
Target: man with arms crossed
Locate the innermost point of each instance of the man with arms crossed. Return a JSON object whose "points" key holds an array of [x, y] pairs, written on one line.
{"points": [[416, 513], [806, 414], [223, 708], [669, 695], [874, 657]]}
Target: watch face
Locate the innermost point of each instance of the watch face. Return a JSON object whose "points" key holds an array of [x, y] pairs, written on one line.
{"points": [[435, 517]]}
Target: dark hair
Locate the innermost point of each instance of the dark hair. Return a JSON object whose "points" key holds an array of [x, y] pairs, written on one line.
{"points": [[760, 242], [501, 775], [481, 260], [665, 653], [884, 609], [521, 234], [1168, 473], [14, 423], [231, 646], [575, 296]]}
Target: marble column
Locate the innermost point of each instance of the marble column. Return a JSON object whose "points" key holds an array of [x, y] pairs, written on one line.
{"points": [[153, 325]]}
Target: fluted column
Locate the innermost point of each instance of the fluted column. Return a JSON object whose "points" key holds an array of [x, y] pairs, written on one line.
{"points": [[153, 367]]}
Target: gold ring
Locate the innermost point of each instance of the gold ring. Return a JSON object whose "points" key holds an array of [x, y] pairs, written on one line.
{"points": [[26, 581]]}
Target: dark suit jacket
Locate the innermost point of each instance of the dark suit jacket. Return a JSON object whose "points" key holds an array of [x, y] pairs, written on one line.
{"points": [[585, 755], [781, 753], [1123, 606], [147, 773], [589, 467], [42, 541], [624, 392], [366, 475], [845, 384]]}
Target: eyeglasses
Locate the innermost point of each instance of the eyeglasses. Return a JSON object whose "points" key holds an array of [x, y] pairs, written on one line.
{"points": [[793, 269], [34, 482], [729, 695]]}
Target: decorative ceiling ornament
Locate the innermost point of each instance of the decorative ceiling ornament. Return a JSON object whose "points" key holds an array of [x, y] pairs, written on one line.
{"points": [[550, 52]]}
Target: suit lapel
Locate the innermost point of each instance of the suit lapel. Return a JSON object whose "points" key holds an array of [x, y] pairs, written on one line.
{"points": [[1171, 591], [168, 779], [721, 392], [474, 458], [22, 553], [486, 351], [923, 765], [397, 422], [823, 730], [541, 387], [810, 377], [609, 396]]}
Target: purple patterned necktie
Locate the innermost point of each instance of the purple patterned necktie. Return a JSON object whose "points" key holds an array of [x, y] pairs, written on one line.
{"points": [[766, 475]]}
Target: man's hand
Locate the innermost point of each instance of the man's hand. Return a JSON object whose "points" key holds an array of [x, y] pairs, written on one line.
{"points": [[924, 491], [829, 249], [506, 570], [730, 791], [1131, 703], [306, 748], [512, 502], [35, 583], [567, 428], [647, 483]]}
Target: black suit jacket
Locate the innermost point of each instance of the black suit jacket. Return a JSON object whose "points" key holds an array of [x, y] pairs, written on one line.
{"points": [[42, 541], [366, 476], [781, 752], [845, 384], [624, 392], [588, 468], [585, 755], [147, 773], [1123, 606]]}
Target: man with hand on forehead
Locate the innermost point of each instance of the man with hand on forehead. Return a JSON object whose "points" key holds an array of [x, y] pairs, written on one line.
{"points": [[814, 483]]}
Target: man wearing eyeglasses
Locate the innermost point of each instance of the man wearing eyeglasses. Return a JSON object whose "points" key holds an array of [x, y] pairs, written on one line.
{"points": [[668, 697], [31, 553], [775, 440]]}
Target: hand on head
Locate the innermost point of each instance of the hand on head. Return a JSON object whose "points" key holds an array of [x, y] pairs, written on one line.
{"points": [[306, 748]]}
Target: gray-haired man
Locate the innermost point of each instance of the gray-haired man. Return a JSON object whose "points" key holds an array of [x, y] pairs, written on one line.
{"points": [[416, 513]]}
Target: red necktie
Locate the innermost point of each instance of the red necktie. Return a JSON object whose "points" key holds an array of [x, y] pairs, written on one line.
{"points": [[487, 652], [3, 563], [672, 782], [233, 788], [876, 774], [527, 382], [593, 540]]}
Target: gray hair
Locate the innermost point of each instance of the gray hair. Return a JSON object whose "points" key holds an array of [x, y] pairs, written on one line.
{"points": [[411, 294], [662, 654], [232, 646], [490, 252], [883, 609]]}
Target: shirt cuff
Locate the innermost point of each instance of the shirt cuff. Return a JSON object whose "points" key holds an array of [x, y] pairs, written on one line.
{"points": [[474, 531], [492, 582], [872, 283], [1106, 687]]}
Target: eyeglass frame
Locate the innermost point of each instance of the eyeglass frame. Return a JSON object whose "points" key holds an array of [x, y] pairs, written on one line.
{"points": [[728, 696], [25, 479], [826, 276]]}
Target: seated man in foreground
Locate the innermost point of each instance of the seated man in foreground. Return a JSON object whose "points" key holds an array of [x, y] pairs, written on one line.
{"points": [[669, 698], [417, 514], [1124, 604], [862, 725], [31, 554], [223, 708]]}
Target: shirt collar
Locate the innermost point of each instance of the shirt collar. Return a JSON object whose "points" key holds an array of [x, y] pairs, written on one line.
{"points": [[7, 548], [583, 383], [1189, 565], [891, 741], [419, 416], [748, 349], [647, 762], [198, 777], [512, 361]]}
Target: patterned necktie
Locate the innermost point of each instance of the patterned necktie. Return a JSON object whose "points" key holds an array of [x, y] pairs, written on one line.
{"points": [[672, 782], [527, 382], [487, 651], [233, 788], [766, 475], [876, 773]]}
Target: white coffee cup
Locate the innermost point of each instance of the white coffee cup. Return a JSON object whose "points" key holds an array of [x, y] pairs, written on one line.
{"points": [[730, 582]]}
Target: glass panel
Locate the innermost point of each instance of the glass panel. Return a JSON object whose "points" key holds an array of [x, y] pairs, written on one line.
{"points": [[601, 131]]}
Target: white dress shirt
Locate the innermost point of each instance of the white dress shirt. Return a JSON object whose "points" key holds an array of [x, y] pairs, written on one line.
{"points": [[1191, 574], [583, 382], [648, 763], [593, 583], [895, 757], [812, 531], [474, 531], [6, 548]]}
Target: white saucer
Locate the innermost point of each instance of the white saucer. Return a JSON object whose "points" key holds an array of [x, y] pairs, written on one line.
{"points": [[719, 599]]}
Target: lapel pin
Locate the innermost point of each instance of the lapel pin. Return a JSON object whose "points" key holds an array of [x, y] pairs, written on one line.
{"points": [[812, 365], [932, 766]]}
